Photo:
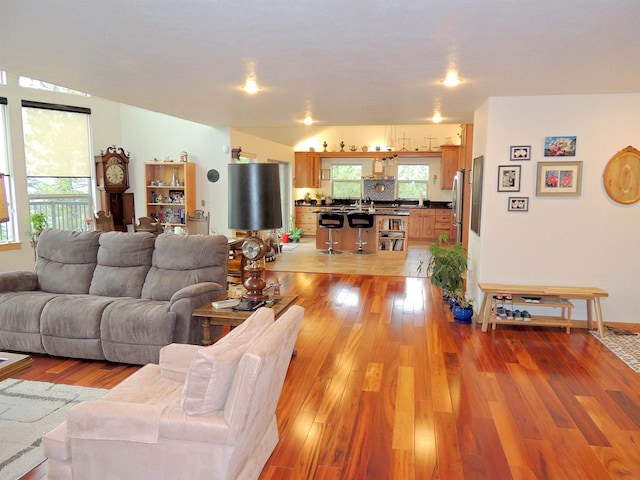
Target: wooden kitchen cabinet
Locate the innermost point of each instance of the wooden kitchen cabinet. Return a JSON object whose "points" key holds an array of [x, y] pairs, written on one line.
{"points": [[307, 220], [444, 223], [307, 170], [448, 165], [422, 223]]}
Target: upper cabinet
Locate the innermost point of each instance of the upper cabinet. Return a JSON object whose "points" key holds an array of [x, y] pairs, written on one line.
{"points": [[307, 170], [448, 165]]}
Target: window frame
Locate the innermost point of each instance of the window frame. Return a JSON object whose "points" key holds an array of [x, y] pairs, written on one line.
{"points": [[8, 230], [64, 210], [335, 180], [400, 182]]}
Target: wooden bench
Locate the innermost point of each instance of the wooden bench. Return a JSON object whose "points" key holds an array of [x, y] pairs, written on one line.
{"points": [[592, 296]]}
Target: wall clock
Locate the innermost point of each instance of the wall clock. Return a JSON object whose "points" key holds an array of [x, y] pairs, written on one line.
{"points": [[112, 175], [213, 175]]}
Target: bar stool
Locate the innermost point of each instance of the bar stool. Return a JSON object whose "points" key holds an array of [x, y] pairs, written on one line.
{"points": [[330, 221], [360, 220]]}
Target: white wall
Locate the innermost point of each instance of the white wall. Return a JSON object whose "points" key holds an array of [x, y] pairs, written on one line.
{"points": [[588, 240], [150, 135], [380, 135]]}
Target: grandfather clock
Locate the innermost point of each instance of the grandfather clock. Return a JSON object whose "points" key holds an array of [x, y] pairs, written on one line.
{"points": [[112, 173]]}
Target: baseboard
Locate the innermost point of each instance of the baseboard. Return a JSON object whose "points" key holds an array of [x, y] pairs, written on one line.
{"points": [[632, 327]]}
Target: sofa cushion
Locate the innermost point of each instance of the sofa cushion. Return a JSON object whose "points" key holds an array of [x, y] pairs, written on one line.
{"points": [[134, 330], [183, 260], [20, 320], [70, 326], [66, 260], [123, 262], [213, 368]]}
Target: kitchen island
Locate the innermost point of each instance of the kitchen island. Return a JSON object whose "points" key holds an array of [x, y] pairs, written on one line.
{"points": [[388, 236], [425, 223]]}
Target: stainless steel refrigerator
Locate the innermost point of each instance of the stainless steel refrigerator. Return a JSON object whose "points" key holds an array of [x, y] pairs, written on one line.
{"points": [[457, 204]]}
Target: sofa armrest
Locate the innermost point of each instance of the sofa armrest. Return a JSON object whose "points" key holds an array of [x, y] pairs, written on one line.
{"points": [[185, 301], [196, 290], [109, 420], [175, 360], [101, 420], [20, 281]]}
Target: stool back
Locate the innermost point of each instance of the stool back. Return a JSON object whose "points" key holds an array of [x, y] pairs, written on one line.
{"points": [[330, 220], [360, 220]]}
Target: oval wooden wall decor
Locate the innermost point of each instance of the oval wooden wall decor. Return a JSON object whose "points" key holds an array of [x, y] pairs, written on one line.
{"points": [[622, 176]]}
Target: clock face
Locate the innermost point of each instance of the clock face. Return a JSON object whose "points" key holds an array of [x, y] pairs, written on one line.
{"points": [[253, 248], [115, 174]]}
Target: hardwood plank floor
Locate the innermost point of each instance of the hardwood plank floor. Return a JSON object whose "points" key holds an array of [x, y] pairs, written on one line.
{"points": [[386, 386]]}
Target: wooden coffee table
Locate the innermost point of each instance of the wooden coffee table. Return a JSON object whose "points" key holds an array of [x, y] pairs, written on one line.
{"points": [[12, 363], [226, 316]]}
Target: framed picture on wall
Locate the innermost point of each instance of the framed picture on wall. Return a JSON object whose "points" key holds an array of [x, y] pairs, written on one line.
{"points": [[476, 195], [518, 204], [560, 146], [508, 178], [559, 179], [520, 152]]}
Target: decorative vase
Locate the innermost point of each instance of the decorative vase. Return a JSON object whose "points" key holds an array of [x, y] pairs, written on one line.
{"points": [[174, 179]]}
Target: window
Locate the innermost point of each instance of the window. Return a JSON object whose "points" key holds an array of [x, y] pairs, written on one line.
{"points": [[50, 87], [58, 163], [7, 229], [346, 181], [413, 179]]}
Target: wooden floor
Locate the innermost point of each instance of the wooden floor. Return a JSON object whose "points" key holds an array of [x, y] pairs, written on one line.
{"points": [[385, 386]]}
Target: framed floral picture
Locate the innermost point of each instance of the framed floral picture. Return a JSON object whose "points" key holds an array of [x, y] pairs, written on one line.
{"points": [[560, 146], [508, 178], [520, 152], [557, 179], [518, 204]]}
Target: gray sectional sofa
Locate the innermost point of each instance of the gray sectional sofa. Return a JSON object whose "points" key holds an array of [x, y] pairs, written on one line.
{"points": [[111, 296]]}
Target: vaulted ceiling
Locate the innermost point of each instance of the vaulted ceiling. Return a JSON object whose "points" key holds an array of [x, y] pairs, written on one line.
{"points": [[356, 62]]}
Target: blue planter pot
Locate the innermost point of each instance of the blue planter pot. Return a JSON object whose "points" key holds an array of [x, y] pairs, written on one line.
{"points": [[452, 303], [462, 314]]}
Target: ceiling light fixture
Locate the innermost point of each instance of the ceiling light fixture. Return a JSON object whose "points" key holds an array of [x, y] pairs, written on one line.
{"points": [[251, 86], [437, 118], [452, 79], [308, 120]]}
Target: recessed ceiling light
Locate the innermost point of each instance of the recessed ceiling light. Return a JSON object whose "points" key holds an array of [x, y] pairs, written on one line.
{"points": [[452, 80], [437, 118], [308, 120], [251, 86]]}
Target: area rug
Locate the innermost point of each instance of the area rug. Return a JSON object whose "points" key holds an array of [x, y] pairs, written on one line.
{"points": [[29, 410], [625, 346]]}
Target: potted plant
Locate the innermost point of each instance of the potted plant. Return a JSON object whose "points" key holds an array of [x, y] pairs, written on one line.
{"points": [[39, 223], [447, 266], [294, 232], [462, 308]]}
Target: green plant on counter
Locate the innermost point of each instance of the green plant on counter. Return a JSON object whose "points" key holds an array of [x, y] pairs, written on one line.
{"points": [[447, 266]]}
